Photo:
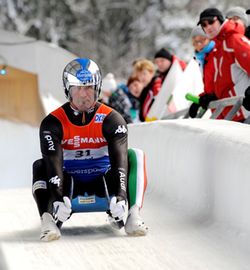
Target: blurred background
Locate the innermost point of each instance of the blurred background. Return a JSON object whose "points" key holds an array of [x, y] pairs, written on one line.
{"points": [[112, 32]]}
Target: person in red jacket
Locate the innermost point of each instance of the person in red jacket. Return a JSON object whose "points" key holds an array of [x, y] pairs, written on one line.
{"points": [[231, 57]]}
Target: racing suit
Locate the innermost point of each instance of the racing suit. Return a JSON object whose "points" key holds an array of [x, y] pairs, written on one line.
{"points": [[78, 149]]}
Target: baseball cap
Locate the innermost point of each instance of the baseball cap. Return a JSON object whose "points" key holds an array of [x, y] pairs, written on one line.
{"points": [[210, 13]]}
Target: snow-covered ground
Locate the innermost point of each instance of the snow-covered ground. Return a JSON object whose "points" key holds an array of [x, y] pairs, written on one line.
{"points": [[196, 205]]}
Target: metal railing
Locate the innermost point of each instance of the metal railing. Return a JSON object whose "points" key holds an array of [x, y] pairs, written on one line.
{"points": [[218, 106]]}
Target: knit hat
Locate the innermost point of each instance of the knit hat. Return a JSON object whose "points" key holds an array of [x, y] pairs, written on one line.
{"points": [[164, 53], [209, 14], [109, 83], [198, 31], [239, 12]]}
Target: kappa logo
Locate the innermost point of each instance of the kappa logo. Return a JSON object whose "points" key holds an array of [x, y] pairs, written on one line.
{"points": [[99, 117], [121, 129], [55, 180]]}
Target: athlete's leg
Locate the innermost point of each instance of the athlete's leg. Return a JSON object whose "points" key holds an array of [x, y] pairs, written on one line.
{"points": [[137, 182], [40, 188], [41, 193]]}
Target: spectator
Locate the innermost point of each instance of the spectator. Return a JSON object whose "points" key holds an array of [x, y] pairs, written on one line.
{"points": [[231, 57], [238, 14], [109, 85], [125, 99], [163, 60], [203, 47], [144, 69]]}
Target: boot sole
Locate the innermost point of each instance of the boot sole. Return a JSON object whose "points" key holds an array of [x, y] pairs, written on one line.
{"points": [[137, 233], [50, 237]]}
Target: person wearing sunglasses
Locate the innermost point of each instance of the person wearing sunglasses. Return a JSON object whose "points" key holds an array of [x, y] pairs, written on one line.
{"points": [[231, 57], [211, 20]]}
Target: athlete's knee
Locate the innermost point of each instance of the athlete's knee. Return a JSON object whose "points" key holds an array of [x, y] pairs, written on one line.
{"points": [[38, 169], [38, 164], [39, 178]]}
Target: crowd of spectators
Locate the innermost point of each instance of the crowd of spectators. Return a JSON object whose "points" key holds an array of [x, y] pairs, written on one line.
{"points": [[222, 50]]}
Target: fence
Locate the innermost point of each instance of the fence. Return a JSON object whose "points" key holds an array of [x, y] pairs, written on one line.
{"points": [[218, 106]]}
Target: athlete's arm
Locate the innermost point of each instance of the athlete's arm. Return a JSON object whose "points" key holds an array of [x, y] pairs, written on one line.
{"points": [[115, 132], [51, 133]]}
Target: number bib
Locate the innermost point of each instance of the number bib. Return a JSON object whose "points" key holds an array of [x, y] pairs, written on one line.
{"points": [[85, 150]]}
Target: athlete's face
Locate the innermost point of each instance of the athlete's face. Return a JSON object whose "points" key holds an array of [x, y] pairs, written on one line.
{"points": [[83, 97]]}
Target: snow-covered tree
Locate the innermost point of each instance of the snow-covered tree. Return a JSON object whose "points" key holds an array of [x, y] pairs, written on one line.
{"points": [[112, 32]]}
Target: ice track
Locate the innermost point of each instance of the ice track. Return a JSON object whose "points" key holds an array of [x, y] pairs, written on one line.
{"points": [[176, 241], [183, 234]]}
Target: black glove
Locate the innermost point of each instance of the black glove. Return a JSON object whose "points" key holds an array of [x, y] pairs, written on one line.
{"points": [[206, 99], [193, 110], [246, 99]]}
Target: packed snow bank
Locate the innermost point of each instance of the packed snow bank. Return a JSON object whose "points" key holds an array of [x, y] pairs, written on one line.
{"points": [[45, 59], [196, 205], [19, 146], [200, 165]]}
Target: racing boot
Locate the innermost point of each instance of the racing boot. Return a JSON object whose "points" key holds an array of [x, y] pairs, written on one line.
{"points": [[135, 225], [49, 230]]}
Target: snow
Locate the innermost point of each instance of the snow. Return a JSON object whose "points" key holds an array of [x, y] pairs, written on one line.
{"points": [[50, 103], [46, 60], [196, 204], [19, 148]]}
